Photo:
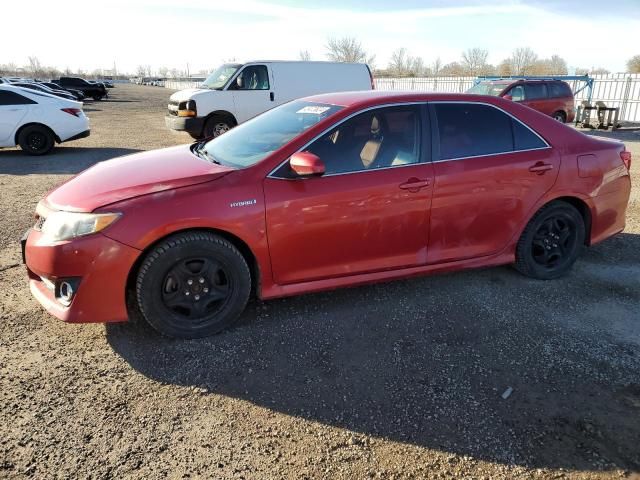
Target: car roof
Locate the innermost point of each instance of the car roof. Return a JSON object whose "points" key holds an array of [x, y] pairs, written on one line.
{"points": [[27, 92], [380, 97]]}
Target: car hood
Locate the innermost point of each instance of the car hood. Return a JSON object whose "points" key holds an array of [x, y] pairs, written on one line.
{"points": [[132, 176], [191, 94]]}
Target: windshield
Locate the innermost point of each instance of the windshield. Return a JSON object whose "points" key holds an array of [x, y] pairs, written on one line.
{"points": [[220, 76], [487, 88], [252, 141]]}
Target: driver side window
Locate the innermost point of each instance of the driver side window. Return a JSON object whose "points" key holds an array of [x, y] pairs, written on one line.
{"points": [[517, 93], [381, 138], [254, 77]]}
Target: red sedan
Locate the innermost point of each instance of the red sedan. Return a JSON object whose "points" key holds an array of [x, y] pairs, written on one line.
{"points": [[324, 192]]}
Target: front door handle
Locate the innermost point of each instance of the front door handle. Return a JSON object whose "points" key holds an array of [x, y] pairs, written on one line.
{"points": [[272, 96], [540, 168], [415, 184]]}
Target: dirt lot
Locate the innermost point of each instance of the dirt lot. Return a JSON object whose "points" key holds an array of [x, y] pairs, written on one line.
{"points": [[399, 380]]}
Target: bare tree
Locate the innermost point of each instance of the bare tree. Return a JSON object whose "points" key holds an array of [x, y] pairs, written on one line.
{"points": [[163, 71], [8, 68], [348, 49], [582, 71], [474, 60], [436, 66], [522, 61], [599, 71], [558, 65], [406, 65], [304, 55], [141, 71], [504, 69], [34, 67], [633, 65], [453, 69]]}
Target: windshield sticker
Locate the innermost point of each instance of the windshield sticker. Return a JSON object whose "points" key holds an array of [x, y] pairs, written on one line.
{"points": [[313, 110]]}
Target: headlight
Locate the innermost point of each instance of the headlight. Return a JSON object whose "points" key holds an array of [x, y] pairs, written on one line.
{"points": [[66, 225]]}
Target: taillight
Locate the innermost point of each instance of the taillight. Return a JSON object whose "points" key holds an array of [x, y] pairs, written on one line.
{"points": [[72, 111], [625, 155]]}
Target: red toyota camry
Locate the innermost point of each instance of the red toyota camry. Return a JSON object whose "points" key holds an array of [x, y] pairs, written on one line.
{"points": [[323, 192]]}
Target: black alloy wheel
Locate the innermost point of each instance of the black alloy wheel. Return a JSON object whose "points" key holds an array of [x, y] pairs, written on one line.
{"points": [[551, 242]]}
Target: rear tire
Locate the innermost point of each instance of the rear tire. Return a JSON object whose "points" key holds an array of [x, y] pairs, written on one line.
{"points": [[97, 98], [36, 140], [193, 285], [560, 116], [551, 241]]}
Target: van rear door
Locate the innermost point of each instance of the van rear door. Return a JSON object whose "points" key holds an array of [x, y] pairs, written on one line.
{"points": [[252, 91]]}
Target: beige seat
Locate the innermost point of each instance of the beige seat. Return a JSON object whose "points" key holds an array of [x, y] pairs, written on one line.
{"points": [[371, 149]]}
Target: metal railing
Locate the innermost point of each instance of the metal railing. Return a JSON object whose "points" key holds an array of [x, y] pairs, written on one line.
{"points": [[620, 90]]}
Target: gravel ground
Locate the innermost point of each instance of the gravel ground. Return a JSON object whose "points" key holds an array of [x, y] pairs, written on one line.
{"points": [[398, 380]]}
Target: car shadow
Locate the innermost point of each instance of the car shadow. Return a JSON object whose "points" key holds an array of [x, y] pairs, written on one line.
{"points": [[428, 361], [61, 160]]}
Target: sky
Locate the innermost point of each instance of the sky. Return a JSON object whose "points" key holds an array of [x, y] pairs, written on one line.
{"points": [[94, 34]]}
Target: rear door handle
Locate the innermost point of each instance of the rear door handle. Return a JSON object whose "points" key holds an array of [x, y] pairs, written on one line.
{"points": [[272, 96], [415, 184], [540, 168]]}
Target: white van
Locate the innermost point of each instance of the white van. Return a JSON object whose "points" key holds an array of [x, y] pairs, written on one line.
{"points": [[237, 92]]}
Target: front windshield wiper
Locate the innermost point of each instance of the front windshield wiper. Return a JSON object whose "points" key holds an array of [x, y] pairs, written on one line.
{"points": [[200, 151]]}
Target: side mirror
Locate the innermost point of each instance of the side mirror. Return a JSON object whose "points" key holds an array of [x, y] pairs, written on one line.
{"points": [[306, 164], [239, 82], [508, 97]]}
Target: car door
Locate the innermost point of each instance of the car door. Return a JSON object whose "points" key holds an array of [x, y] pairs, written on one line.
{"points": [[368, 212], [252, 92], [13, 108], [490, 169], [536, 97]]}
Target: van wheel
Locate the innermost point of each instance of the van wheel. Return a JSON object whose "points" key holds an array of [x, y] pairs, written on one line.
{"points": [[36, 140], [193, 285], [560, 116], [551, 241], [216, 126], [97, 98]]}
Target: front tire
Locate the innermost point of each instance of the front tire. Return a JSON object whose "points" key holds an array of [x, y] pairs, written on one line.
{"points": [[216, 126], [193, 285], [97, 98], [560, 116], [551, 241], [36, 140]]}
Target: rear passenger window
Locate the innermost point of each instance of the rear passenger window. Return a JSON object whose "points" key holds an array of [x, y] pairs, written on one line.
{"points": [[12, 98], [534, 91], [525, 139], [469, 130], [559, 89]]}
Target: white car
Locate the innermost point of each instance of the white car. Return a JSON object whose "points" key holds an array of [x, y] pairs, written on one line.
{"points": [[38, 120], [236, 92]]}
